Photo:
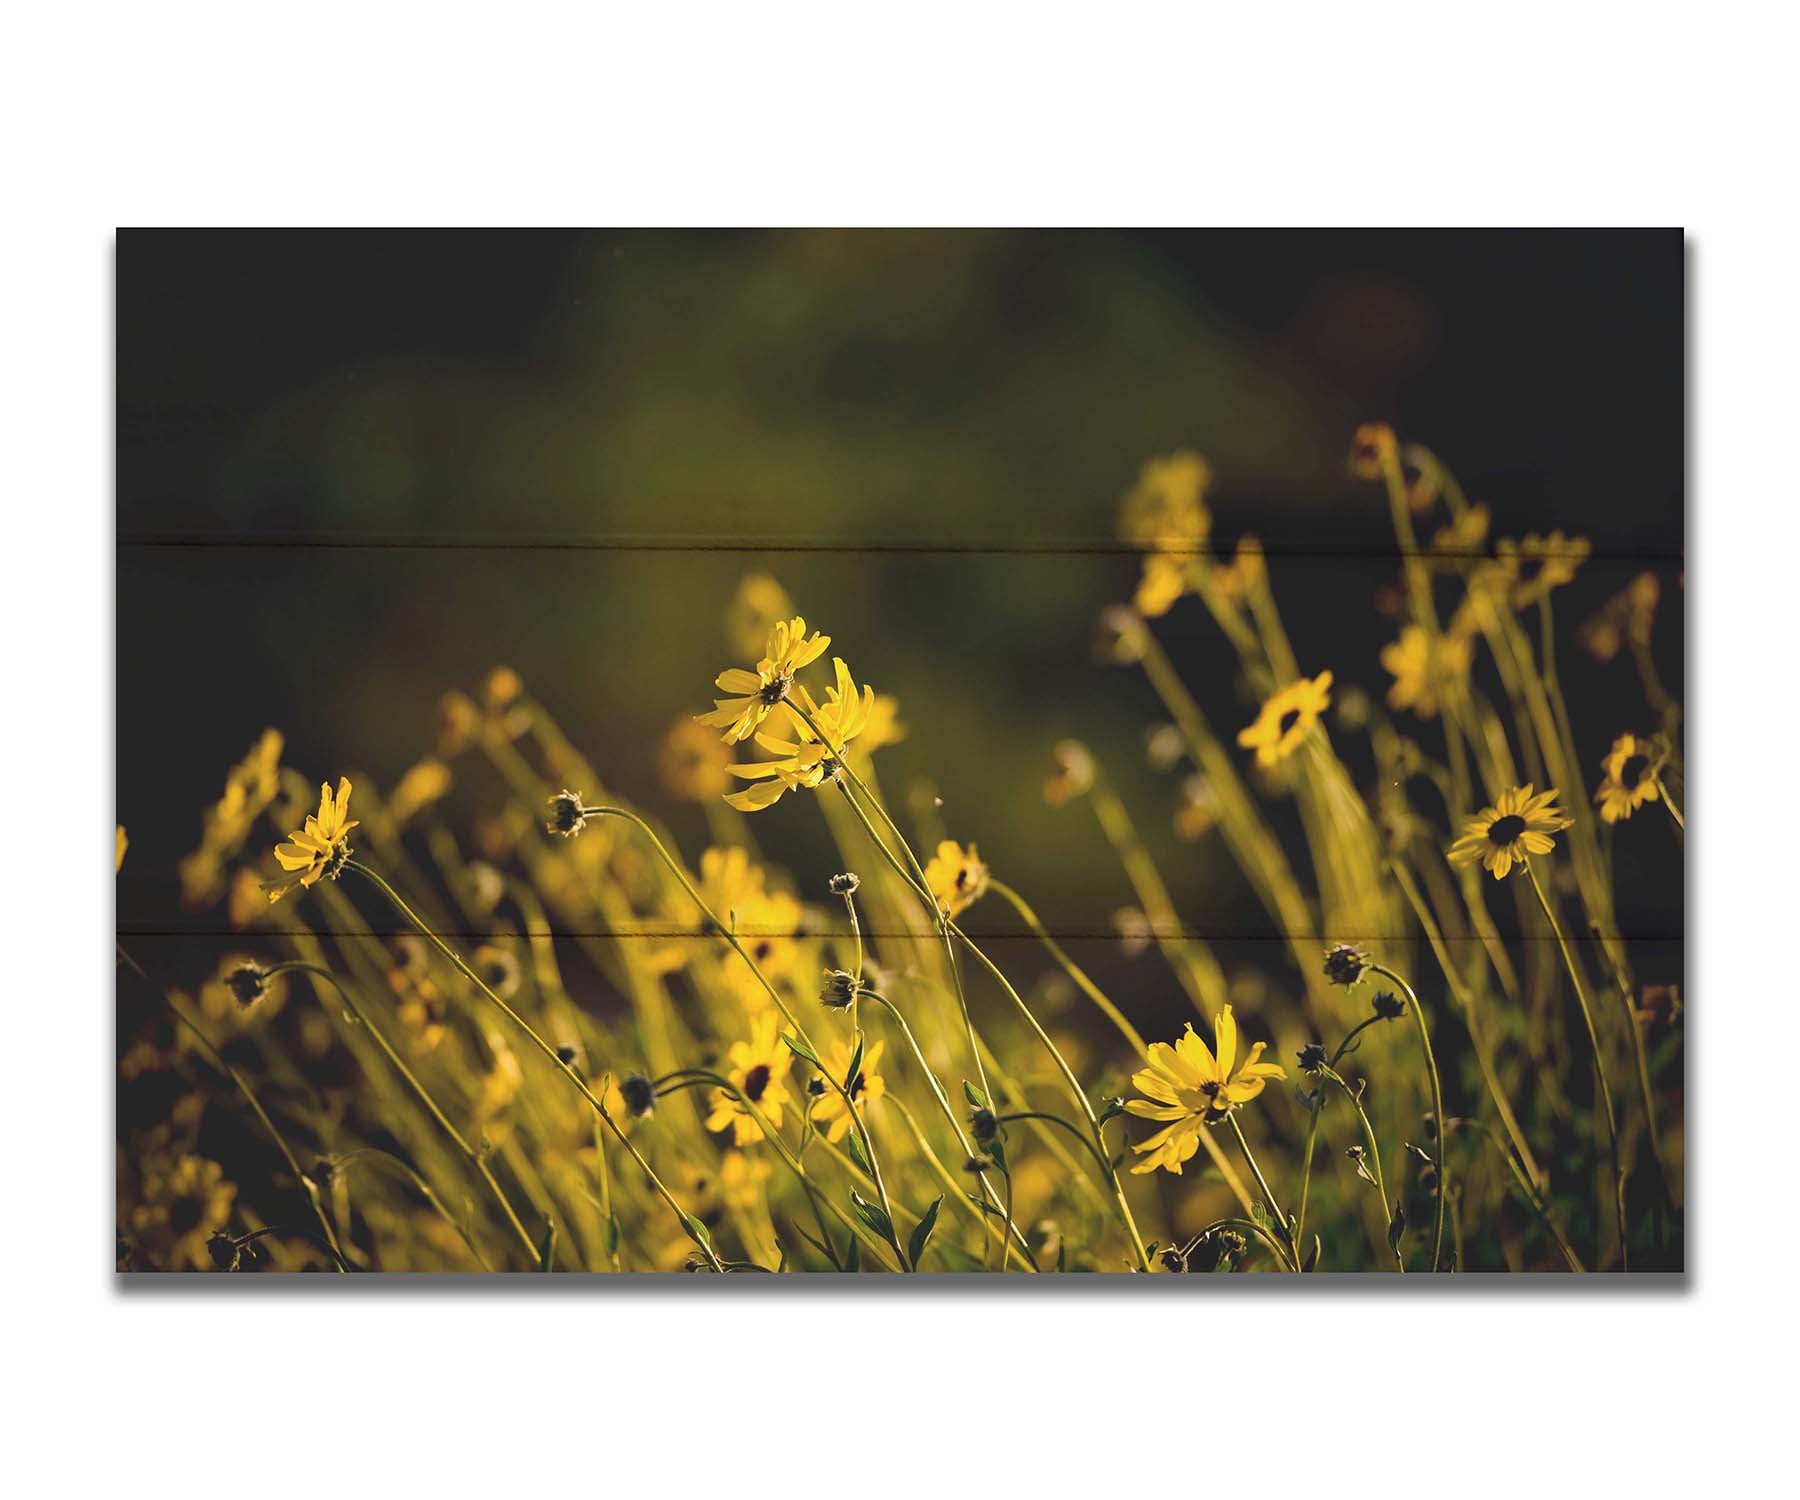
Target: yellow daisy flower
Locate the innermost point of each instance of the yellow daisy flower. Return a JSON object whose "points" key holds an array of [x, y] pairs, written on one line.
{"points": [[1188, 1087], [1517, 825], [1167, 576], [956, 877], [318, 850], [808, 760], [1419, 669], [759, 1067], [1166, 508], [755, 694], [1287, 719], [1629, 780], [829, 1113], [884, 726], [1538, 564]]}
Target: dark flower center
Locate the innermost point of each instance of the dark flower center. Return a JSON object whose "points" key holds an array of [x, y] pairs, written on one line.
{"points": [[1529, 569], [755, 1081], [772, 692], [1288, 721], [1505, 831], [1632, 772]]}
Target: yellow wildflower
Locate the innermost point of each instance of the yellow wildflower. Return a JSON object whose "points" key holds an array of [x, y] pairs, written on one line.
{"points": [[808, 760], [868, 1086], [119, 843], [1421, 668], [956, 877], [1188, 1088], [1166, 509], [1167, 576], [758, 1068], [1518, 824], [741, 1179], [1287, 719], [754, 694], [1630, 776], [318, 850], [1539, 564], [883, 727]]}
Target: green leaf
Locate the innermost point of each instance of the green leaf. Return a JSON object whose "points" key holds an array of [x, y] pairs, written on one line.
{"points": [[855, 1068], [1396, 1228], [1420, 1152], [1311, 1263], [871, 1215], [609, 1238], [1110, 1109], [800, 1049], [696, 1231], [547, 1246], [915, 1247], [997, 1151], [973, 1095], [857, 1154], [853, 1261]]}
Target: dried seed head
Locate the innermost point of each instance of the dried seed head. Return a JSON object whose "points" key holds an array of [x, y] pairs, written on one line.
{"points": [[567, 815], [1389, 1006], [1312, 1057], [841, 990], [639, 1095], [846, 884], [1345, 965], [248, 983]]}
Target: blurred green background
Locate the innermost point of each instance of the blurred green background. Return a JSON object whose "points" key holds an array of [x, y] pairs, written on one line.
{"points": [[356, 470]]}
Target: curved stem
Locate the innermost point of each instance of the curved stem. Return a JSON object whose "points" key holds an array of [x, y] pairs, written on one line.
{"points": [[1587, 1016], [1374, 1149], [1437, 1114], [687, 1220]]}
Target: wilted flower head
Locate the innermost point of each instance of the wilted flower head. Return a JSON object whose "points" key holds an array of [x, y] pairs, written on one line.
{"points": [[567, 814], [846, 884], [1345, 964], [1388, 1005], [639, 1095], [1312, 1057], [841, 990], [248, 983]]}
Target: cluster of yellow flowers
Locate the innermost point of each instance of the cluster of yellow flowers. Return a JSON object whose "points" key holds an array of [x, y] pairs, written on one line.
{"points": [[623, 1072]]}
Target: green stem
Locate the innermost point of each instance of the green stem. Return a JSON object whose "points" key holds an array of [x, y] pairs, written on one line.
{"points": [[1437, 1114], [1374, 1149], [1587, 1017], [1287, 1234]]}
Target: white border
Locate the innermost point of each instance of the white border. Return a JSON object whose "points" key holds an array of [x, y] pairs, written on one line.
{"points": [[931, 114]]}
